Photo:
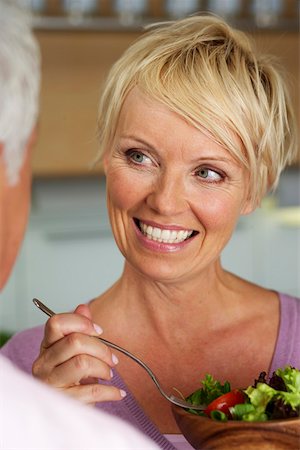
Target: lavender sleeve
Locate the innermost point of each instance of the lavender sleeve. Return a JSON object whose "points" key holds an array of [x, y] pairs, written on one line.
{"points": [[24, 347], [287, 349]]}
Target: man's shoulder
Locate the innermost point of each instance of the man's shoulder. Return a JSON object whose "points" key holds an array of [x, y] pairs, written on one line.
{"points": [[65, 421]]}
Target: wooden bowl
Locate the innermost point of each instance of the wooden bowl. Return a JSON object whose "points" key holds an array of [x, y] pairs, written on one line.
{"points": [[207, 434]]}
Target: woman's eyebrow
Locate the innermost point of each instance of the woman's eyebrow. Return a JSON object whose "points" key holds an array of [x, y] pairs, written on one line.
{"points": [[215, 158], [137, 140]]}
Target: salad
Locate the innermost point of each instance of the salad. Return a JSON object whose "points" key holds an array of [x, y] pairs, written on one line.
{"points": [[268, 399]]}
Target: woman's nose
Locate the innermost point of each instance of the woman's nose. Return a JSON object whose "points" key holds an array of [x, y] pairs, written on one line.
{"points": [[167, 196]]}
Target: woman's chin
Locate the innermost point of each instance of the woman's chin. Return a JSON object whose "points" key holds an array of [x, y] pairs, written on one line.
{"points": [[161, 272]]}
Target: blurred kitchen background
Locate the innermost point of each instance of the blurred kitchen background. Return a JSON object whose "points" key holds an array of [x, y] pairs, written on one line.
{"points": [[69, 255]]}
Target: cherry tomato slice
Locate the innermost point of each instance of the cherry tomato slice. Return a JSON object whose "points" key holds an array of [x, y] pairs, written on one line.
{"points": [[225, 401]]}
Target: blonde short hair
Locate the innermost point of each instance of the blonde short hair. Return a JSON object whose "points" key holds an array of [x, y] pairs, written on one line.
{"points": [[209, 74]]}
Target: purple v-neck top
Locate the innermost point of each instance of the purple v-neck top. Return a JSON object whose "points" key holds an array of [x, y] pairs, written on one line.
{"points": [[23, 349]]}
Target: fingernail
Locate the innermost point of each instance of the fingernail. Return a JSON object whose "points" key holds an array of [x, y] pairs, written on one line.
{"points": [[123, 393], [111, 373], [114, 359], [97, 328]]}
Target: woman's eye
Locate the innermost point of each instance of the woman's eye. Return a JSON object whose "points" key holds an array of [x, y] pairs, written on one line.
{"points": [[209, 175], [138, 157]]}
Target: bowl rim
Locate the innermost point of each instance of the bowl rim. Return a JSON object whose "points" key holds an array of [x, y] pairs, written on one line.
{"points": [[246, 423]]}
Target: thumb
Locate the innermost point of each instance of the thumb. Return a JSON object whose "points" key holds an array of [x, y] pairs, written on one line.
{"points": [[84, 310]]}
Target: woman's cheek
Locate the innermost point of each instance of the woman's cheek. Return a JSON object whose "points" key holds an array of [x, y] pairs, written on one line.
{"points": [[127, 188], [219, 213]]}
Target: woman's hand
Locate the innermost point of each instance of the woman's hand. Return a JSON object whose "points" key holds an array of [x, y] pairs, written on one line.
{"points": [[73, 361]]}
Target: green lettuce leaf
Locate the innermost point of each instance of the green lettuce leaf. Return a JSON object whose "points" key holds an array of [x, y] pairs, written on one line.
{"points": [[276, 398], [263, 396], [291, 378], [210, 390]]}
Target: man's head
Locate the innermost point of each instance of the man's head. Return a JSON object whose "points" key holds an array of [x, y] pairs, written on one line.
{"points": [[19, 93]]}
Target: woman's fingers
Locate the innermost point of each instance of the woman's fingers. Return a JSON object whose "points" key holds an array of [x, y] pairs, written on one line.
{"points": [[72, 359], [74, 370], [84, 310], [94, 393], [77, 375], [61, 325], [71, 345]]}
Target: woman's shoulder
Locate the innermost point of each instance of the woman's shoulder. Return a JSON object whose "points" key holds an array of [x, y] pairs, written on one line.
{"points": [[287, 351], [23, 348], [290, 316], [289, 300]]}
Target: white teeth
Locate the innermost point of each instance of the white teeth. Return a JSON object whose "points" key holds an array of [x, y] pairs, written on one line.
{"points": [[156, 233], [163, 235], [173, 235]]}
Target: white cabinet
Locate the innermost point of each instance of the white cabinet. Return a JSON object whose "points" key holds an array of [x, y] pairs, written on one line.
{"points": [[266, 250]]}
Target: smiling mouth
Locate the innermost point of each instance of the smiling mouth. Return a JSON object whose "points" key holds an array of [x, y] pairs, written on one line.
{"points": [[163, 234]]}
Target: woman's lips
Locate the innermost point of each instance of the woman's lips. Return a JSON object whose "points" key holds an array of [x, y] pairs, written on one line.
{"points": [[166, 238]]}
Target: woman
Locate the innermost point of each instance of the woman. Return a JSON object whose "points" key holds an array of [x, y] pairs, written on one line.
{"points": [[194, 130]]}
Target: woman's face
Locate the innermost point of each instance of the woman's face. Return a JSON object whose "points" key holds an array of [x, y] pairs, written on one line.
{"points": [[174, 196]]}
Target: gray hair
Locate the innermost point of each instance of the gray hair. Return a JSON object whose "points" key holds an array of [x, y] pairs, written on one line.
{"points": [[19, 86]]}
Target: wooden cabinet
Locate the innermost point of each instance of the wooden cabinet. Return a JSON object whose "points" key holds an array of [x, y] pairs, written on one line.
{"points": [[74, 65]]}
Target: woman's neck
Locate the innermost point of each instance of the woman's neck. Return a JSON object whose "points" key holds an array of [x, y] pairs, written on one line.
{"points": [[155, 305]]}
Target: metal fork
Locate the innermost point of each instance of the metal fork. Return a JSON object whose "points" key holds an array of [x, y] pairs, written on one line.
{"points": [[171, 398]]}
